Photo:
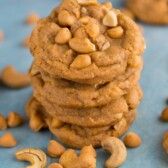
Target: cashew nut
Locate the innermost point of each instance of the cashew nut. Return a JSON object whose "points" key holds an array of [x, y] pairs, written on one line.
{"points": [[81, 61], [87, 158], [7, 140], [82, 45], [110, 19], [118, 150], [55, 149], [132, 140], [87, 2], [13, 79], [55, 165], [14, 119], [3, 122], [35, 156]]}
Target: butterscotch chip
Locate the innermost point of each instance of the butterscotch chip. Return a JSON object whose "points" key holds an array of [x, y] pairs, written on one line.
{"points": [[14, 119], [132, 140], [63, 36], [110, 19], [1, 36], [81, 61], [116, 32], [26, 42], [7, 140], [164, 115], [55, 149], [32, 18]]}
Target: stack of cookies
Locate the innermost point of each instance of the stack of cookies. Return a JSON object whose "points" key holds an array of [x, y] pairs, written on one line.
{"points": [[87, 64]]}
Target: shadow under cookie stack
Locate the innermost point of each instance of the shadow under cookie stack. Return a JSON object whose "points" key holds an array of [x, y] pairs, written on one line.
{"points": [[87, 64]]}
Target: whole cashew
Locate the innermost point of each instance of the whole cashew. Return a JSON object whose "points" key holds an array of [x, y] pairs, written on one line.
{"points": [[118, 150], [11, 78], [35, 156]]}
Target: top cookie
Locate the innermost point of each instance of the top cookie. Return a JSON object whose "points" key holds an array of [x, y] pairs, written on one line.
{"points": [[150, 11], [86, 42]]}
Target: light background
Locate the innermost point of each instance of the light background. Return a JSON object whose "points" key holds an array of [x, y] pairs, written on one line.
{"points": [[154, 83]]}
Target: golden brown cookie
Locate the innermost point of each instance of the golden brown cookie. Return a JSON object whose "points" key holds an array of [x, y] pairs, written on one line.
{"points": [[94, 116], [79, 137], [76, 136], [150, 11], [72, 94], [91, 53]]}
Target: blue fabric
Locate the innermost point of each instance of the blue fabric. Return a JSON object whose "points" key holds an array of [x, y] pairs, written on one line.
{"points": [[154, 83]]}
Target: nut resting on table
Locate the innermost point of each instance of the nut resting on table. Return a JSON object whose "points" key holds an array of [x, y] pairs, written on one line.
{"points": [[132, 140], [35, 156], [11, 78], [7, 140], [87, 158], [117, 149]]}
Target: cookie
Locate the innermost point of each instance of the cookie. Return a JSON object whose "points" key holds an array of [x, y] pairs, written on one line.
{"points": [[71, 94], [76, 136], [72, 137], [94, 116], [104, 57], [150, 11]]}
